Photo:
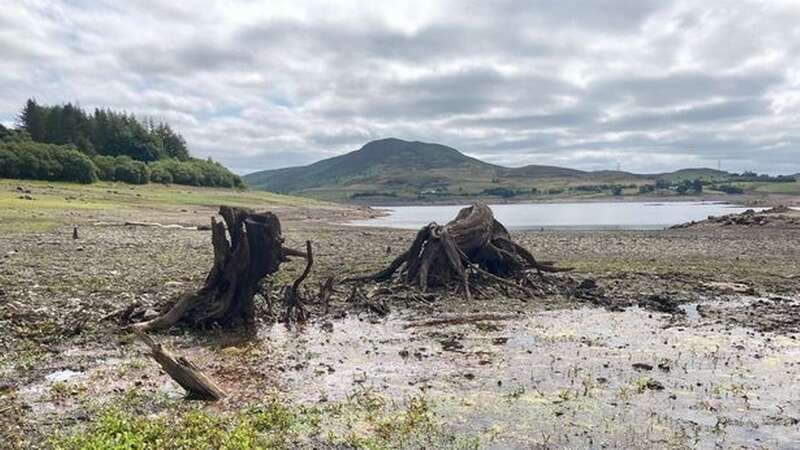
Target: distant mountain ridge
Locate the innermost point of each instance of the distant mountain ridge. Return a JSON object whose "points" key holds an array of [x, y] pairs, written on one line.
{"points": [[393, 167]]}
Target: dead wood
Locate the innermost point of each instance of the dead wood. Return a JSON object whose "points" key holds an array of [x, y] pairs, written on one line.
{"points": [[325, 292], [174, 226], [184, 372], [372, 302], [295, 309], [255, 249], [462, 319], [473, 242]]}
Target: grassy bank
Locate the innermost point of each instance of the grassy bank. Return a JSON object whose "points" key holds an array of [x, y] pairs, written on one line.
{"points": [[41, 205]]}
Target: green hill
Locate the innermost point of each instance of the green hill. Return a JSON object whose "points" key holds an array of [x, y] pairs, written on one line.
{"points": [[393, 170], [694, 173], [384, 162]]}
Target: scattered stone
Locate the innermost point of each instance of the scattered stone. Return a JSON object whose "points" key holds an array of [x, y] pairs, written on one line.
{"points": [[661, 303], [729, 288], [779, 215], [642, 366], [654, 385]]}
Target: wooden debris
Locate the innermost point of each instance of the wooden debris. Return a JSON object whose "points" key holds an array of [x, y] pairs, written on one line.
{"points": [[255, 250], [472, 242], [197, 384]]}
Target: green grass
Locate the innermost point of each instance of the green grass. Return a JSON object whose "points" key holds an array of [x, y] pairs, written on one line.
{"points": [[52, 200], [777, 188], [364, 421]]}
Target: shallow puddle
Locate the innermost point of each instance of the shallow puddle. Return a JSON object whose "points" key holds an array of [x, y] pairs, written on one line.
{"points": [[580, 378], [585, 377]]}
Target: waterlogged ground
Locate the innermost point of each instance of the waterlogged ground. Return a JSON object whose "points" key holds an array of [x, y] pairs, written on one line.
{"points": [[719, 369], [578, 377]]}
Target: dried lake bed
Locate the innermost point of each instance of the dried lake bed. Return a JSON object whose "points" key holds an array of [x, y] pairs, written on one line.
{"points": [[718, 370]]}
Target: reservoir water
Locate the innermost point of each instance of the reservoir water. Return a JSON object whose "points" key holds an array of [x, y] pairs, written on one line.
{"points": [[577, 216]]}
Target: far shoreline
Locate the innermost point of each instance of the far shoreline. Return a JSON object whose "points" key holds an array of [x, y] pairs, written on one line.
{"points": [[743, 200]]}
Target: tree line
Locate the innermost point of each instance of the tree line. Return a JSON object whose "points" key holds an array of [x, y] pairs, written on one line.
{"points": [[65, 143]]}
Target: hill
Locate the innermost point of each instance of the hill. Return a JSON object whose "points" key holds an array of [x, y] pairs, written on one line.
{"points": [[393, 170], [385, 162], [694, 173]]}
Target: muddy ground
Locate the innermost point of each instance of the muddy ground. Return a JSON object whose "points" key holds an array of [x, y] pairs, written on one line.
{"points": [[688, 340]]}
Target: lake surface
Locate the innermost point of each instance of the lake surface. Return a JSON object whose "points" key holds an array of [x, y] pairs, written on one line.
{"points": [[578, 216]]}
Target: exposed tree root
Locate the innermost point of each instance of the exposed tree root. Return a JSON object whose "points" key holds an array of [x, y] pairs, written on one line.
{"points": [[295, 310], [255, 250], [473, 243]]}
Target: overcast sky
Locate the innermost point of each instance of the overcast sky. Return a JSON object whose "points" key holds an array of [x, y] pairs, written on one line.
{"points": [[653, 85]]}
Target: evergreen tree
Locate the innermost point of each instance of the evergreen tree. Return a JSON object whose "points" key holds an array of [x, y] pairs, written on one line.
{"points": [[56, 142], [174, 144], [32, 120]]}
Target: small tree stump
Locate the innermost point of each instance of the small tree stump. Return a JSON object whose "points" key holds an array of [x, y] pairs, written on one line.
{"points": [[255, 249]]}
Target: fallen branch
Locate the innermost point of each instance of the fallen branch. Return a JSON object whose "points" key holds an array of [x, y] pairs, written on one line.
{"points": [[173, 226], [183, 371], [460, 320]]}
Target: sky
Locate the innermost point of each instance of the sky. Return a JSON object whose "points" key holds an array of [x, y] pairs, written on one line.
{"points": [[646, 85]]}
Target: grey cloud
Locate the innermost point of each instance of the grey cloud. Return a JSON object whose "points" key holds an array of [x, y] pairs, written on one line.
{"points": [[682, 87], [729, 110], [568, 119], [606, 15], [657, 84]]}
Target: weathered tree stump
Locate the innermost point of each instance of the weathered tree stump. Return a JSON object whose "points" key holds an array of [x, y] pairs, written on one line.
{"points": [[255, 250], [474, 240]]}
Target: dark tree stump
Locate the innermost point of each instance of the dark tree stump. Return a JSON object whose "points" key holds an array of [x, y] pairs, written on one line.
{"points": [[474, 240], [255, 250]]}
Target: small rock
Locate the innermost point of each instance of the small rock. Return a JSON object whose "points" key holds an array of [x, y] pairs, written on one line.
{"points": [[654, 385], [642, 366]]}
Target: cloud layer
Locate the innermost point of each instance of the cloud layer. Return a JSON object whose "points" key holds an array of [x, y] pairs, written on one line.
{"points": [[652, 85]]}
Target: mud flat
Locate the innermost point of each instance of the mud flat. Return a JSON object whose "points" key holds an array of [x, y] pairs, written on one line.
{"points": [[687, 338]]}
